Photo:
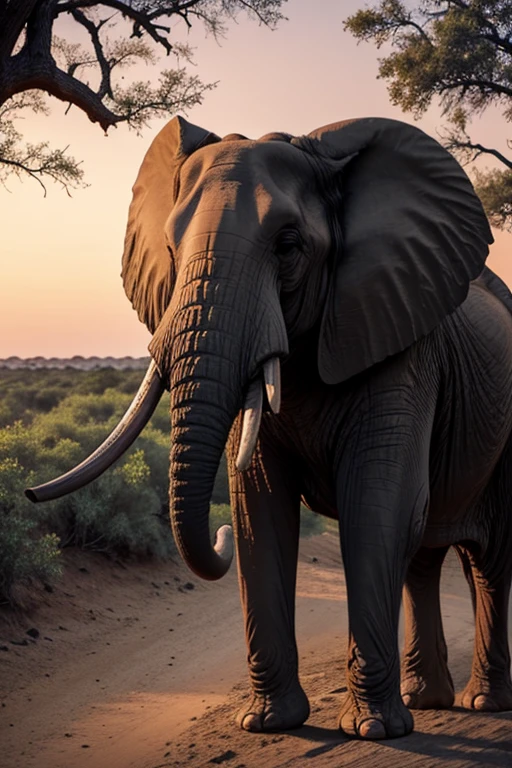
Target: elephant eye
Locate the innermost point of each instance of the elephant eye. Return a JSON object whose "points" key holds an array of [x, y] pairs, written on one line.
{"points": [[287, 241]]}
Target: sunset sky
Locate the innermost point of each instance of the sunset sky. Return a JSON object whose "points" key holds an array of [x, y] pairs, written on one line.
{"points": [[60, 290]]}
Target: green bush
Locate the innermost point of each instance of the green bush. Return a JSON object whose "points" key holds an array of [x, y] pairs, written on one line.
{"points": [[220, 514], [312, 524], [25, 554], [120, 511]]}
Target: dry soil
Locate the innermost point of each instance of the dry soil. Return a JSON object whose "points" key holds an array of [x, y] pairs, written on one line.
{"points": [[143, 666]]}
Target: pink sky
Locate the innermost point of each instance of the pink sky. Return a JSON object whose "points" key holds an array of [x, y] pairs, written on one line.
{"points": [[60, 292]]}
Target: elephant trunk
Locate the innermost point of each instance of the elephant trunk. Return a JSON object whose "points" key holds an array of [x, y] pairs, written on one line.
{"points": [[218, 345], [199, 433]]}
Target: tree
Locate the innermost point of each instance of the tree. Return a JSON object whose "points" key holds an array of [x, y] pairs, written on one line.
{"points": [[117, 34], [458, 52]]}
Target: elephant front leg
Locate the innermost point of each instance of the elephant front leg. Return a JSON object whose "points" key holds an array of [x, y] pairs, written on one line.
{"points": [[426, 679], [383, 500], [266, 517]]}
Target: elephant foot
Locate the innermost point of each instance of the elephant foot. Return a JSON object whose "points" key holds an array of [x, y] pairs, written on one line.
{"points": [[428, 691], [275, 712], [485, 696], [375, 720]]}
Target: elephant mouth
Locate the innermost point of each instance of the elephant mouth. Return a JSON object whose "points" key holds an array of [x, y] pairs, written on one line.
{"points": [[267, 383]]}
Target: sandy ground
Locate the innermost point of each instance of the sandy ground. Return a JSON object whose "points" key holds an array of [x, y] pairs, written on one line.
{"points": [[144, 667]]}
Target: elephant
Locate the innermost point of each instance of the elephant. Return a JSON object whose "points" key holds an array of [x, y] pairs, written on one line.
{"points": [[320, 308]]}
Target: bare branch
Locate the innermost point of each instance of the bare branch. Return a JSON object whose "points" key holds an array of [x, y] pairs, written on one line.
{"points": [[105, 88], [34, 60]]}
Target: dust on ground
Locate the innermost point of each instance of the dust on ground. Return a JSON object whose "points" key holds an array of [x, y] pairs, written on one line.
{"points": [[143, 666]]}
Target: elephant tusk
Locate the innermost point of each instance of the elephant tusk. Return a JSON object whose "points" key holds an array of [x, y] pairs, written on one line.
{"points": [[253, 408], [272, 376], [128, 429]]}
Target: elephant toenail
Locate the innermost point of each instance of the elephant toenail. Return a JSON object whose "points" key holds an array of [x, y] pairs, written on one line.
{"points": [[251, 722], [372, 729], [483, 703], [408, 699]]}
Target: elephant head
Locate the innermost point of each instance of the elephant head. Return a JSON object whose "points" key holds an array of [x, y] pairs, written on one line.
{"points": [[366, 232]]}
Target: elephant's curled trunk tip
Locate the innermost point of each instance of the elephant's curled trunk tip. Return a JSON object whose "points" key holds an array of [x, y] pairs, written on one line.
{"points": [[223, 546], [129, 428]]}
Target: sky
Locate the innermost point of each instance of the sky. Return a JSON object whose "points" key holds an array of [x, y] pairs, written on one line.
{"points": [[60, 288]]}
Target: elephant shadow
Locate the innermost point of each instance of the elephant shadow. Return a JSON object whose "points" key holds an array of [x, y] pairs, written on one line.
{"points": [[490, 745]]}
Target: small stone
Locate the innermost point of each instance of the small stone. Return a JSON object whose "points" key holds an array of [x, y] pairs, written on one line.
{"points": [[189, 585], [83, 570], [85, 746], [224, 757], [33, 632], [20, 642], [4, 648]]}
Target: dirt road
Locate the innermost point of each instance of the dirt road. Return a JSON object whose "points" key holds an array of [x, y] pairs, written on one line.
{"points": [[143, 667]]}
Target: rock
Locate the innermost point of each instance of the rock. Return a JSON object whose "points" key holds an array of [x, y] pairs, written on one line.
{"points": [[189, 585], [224, 757], [4, 647], [20, 642], [33, 632]]}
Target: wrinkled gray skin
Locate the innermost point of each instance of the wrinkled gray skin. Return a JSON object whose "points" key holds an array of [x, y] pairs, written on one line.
{"points": [[396, 415]]}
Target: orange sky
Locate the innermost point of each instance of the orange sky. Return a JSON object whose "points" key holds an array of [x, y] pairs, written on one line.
{"points": [[60, 292]]}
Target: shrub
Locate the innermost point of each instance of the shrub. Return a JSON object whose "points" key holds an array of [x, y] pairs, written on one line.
{"points": [[120, 511], [312, 524], [220, 514], [25, 554]]}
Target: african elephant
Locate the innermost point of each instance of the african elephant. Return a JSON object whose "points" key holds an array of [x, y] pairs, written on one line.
{"points": [[320, 305]]}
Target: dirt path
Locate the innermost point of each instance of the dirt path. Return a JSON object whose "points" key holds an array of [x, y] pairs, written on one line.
{"points": [[144, 668]]}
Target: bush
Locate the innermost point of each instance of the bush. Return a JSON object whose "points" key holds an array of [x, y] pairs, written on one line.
{"points": [[220, 514], [312, 524], [25, 554], [120, 511]]}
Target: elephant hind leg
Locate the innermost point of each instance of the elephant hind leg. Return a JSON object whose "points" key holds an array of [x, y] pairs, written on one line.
{"points": [[426, 680], [489, 573], [490, 687]]}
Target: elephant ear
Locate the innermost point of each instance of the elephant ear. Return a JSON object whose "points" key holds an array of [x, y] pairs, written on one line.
{"points": [[413, 236], [147, 267]]}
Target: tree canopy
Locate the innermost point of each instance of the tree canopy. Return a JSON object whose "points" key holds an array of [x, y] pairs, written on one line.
{"points": [[458, 53], [89, 75]]}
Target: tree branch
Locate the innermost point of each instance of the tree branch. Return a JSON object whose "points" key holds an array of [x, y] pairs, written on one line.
{"points": [[105, 88], [45, 75], [479, 149], [13, 18], [140, 19], [480, 84]]}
